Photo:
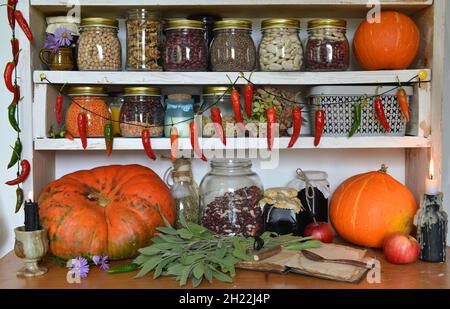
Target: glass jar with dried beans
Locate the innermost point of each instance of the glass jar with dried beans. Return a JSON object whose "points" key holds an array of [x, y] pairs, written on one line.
{"points": [[185, 46], [99, 46], [327, 48], [143, 40], [232, 48], [91, 101], [229, 196], [142, 108]]}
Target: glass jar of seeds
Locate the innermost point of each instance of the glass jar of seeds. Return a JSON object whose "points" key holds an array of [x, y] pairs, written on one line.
{"points": [[327, 48], [142, 109], [229, 196], [143, 40], [280, 48], [232, 48]]}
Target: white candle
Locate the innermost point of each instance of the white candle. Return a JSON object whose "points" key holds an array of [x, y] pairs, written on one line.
{"points": [[432, 185]]}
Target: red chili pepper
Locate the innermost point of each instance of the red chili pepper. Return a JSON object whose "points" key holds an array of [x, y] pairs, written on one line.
{"points": [[248, 99], [7, 76], [23, 25], [16, 98], [402, 99], [236, 102], [216, 118], [147, 144], [173, 143], [297, 120], [320, 124], [24, 173], [68, 136], [58, 108], [271, 120], [82, 129], [15, 48], [11, 8], [379, 111], [194, 140]]}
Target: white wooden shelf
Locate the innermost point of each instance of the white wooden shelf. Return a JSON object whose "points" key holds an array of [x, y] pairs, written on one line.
{"points": [[240, 143], [220, 78]]}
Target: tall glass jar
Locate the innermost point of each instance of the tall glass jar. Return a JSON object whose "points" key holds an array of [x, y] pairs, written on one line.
{"points": [[232, 48], [99, 45], [229, 196], [143, 40], [185, 46], [327, 48], [280, 48], [179, 112], [92, 101], [222, 98], [142, 109]]}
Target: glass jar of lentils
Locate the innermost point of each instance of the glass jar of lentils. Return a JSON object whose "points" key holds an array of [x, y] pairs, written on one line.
{"points": [[232, 48], [327, 48], [143, 40], [142, 109], [280, 48], [99, 46], [185, 46], [229, 196]]}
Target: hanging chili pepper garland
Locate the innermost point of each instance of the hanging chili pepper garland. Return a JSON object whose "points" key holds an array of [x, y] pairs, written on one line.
{"points": [[356, 119], [15, 50], [402, 100], [25, 171], [145, 135], [248, 97], [82, 130], [379, 111], [193, 132], [297, 125], [271, 114], [109, 138], [319, 125], [173, 143], [216, 118]]}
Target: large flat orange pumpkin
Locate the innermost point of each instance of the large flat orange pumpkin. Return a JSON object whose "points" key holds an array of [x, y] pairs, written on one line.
{"points": [[368, 207], [109, 210]]}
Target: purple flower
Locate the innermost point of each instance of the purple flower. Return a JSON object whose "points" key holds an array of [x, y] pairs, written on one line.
{"points": [[50, 42], [63, 37], [79, 266], [101, 261]]}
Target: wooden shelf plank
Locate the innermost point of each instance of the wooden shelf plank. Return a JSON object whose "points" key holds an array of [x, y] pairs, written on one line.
{"points": [[220, 78], [240, 143]]}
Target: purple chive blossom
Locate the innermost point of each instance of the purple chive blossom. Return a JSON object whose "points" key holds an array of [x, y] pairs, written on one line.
{"points": [[50, 42], [63, 37], [79, 266], [101, 261]]}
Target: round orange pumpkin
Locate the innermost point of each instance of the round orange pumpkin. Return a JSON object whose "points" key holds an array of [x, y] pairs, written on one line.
{"points": [[109, 210], [391, 44], [368, 207]]}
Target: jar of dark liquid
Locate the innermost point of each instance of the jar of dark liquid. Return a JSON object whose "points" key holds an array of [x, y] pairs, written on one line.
{"points": [[313, 191]]}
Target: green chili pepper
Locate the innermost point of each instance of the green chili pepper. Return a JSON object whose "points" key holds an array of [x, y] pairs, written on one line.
{"points": [[109, 138], [123, 268], [17, 151], [12, 117], [356, 119], [19, 198]]}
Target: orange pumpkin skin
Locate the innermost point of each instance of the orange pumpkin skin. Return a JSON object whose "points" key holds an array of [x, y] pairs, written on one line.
{"points": [[368, 207], [391, 44], [109, 210]]}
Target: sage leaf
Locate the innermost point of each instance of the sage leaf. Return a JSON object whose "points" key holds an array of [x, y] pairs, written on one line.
{"points": [[221, 276], [166, 223], [198, 271], [208, 273], [167, 230], [196, 281], [185, 234], [149, 250], [148, 266], [175, 269], [185, 275], [159, 269]]}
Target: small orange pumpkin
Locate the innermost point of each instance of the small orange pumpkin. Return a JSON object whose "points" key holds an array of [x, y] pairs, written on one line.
{"points": [[391, 44], [368, 207]]}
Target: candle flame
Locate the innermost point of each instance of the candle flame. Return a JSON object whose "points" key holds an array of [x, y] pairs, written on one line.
{"points": [[431, 169], [30, 196]]}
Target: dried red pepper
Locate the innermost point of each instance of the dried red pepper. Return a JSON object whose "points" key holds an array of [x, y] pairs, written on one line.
{"points": [[58, 108], [82, 129], [320, 124], [23, 24], [271, 114], [24, 173], [194, 140], [236, 102], [297, 120], [11, 8], [248, 99], [147, 144], [16, 98], [216, 118], [379, 111], [7, 76], [67, 135], [15, 49], [109, 138], [173, 143], [402, 99]]}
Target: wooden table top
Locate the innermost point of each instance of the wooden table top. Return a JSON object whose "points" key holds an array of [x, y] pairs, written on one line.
{"points": [[419, 275]]}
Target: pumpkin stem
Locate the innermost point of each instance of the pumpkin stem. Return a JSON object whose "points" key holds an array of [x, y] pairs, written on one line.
{"points": [[383, 168], [102, 200]]}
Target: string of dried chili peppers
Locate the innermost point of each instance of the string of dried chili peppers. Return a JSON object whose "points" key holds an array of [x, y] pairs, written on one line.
{"points": [[15, 49], [19, 198], [193, 132], [24, 173], [319, 125], [216, 118], [7, 76], [16, 154], [23, 24], [271, 114], [403, 102], [236, 102], [173, 143], [356, 119], [297, 125], [82, 129], [12, 117], [109, 138], [379, 111], [11, 8], [145, 135]]}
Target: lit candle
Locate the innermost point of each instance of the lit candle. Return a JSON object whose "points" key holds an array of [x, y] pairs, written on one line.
{"points": [[432, 185], [31, 214]]}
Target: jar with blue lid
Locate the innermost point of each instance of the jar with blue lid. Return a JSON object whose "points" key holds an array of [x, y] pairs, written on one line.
{"points": [[179, 113]]}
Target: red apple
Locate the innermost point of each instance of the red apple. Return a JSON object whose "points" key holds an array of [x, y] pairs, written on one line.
{"points": [[400, 248], [320, 231]]}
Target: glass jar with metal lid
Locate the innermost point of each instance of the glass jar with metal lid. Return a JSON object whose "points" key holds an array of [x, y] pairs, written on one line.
{"points": [[92, 101], [144, 37], [280, 48], [232, 48], [142, 109], [99, 45], [327, 48], [185, 46]]}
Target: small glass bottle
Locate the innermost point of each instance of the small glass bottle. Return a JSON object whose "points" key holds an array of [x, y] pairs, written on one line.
{"points": [[115, 101], [179, 113]]}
